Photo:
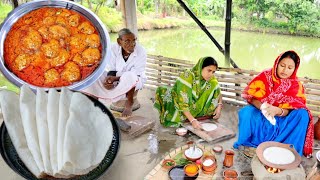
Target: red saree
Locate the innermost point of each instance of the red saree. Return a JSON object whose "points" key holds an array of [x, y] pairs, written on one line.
{"points": [[283, 93]]}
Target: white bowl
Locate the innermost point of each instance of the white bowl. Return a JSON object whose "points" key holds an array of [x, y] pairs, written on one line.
{"points": [[181, 131], [217, 148], [193, 154]]}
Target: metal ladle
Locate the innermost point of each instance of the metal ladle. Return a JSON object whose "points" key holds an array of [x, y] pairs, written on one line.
{"points": [[194, 148]]}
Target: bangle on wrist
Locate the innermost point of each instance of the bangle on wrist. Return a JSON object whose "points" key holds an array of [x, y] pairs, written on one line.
{"points": [[282, 112], [193, 120]]}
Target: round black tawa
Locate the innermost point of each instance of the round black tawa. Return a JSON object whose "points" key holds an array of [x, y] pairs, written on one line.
{"points": [[10, 156], [177, 173]]}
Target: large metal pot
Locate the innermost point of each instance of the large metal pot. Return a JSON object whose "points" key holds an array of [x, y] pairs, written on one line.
{"points": [[23, 9]]}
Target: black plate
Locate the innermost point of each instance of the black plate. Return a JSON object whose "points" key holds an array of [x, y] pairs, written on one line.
{"points": [[10, 156], [177, 173]]}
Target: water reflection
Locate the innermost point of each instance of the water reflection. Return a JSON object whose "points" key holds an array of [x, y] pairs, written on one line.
{"points": [[254, 51]]}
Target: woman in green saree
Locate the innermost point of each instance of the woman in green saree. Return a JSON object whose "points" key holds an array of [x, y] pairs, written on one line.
{"points": [[195, 93]]}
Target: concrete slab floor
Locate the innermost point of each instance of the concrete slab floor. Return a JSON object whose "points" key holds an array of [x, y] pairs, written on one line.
{"points": [[134, 161]]}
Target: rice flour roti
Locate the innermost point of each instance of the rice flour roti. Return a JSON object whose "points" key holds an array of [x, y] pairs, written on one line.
{"points": [[278, 155], [209, 126]]}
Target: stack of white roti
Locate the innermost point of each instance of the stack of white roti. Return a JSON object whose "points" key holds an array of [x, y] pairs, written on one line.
{"points": [[57, 134]]}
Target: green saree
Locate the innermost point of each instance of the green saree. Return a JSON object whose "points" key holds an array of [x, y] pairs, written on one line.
{"points": [[189, 93]]}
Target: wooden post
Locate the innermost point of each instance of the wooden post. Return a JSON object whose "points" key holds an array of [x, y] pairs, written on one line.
{"points": [[227, 33], [15, 3], [129, 15]]}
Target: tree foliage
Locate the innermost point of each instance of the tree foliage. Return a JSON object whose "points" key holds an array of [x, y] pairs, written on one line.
{"points": [[293, 15], [301, 15]]}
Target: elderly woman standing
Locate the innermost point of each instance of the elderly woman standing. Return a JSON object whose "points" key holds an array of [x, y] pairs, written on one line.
{"points": [[277, 93], [195, 93]]}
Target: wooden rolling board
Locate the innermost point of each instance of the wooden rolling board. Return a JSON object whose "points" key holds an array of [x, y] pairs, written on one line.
{"points": [[219, 134]]}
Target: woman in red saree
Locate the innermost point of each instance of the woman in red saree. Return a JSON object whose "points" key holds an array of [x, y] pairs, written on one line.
{"points": [[277, 110]]}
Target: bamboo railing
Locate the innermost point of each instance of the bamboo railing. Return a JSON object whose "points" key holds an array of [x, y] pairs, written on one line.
{"points": [[163, 71]]}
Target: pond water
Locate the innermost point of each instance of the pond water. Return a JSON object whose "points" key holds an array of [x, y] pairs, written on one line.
{"points": [[252, 51]]}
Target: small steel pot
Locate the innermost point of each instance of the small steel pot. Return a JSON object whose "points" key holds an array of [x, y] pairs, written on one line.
{"points": [[25, 8]]}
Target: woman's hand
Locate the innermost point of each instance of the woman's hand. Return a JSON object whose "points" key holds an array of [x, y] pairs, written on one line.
{"points": [[271, 110], [217, 112], [196, 124]]}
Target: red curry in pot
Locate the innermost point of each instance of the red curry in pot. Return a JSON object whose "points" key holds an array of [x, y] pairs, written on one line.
{"points": [[52, 47]]}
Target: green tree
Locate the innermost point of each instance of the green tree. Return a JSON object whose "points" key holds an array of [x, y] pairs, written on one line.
{"points": [[145, 5], [99, 4], [216, 7], [256, 9], [301, 15]]}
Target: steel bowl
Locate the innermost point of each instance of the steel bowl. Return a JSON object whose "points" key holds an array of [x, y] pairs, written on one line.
{"points": [[25, 8]]}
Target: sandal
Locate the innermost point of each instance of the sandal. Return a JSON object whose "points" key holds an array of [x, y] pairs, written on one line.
{"points": [[249, 151], [246, 151]]}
